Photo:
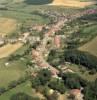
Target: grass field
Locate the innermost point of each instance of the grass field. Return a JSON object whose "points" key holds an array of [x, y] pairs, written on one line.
{"points": [[7, 26], [25, 88], [9, 49], [83, 72], [90, 47], [11, 72]]}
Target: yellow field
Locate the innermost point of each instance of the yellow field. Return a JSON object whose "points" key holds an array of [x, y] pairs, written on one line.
{"points": [[8, 49], [7, 25], [90, 47], [71, 3], [17, 1]]}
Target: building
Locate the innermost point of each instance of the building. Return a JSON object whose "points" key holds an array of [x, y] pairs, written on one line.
{"points": [[38, 27], [57, 41], [77, 94]]}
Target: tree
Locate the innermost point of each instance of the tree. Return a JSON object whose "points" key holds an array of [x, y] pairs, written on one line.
{"points": [[44, 76], [81, 58], [72, 80], [58, 85], [12, 84], [90, 92], [2, 90], [35, 82]]}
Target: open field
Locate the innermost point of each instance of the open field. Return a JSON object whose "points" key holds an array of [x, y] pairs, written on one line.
{"points": [[71, 3], [90, 47], [7, 25], [13, 71], [9, 49], [25, 87], [83, 72]]}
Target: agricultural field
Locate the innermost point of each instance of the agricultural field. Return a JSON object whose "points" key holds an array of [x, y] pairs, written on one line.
{"points": [[83, 72], [72, 3], [7, 26], [90, 47], [13, 71], [9, 49], [25, 87]]}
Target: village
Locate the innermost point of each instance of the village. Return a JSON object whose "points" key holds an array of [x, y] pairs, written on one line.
{"points": [[43, 44]]}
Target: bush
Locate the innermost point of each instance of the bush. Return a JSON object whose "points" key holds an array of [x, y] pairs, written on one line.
{"points": [[57, 85], [12, 84], [2, 90], [73, 81]]}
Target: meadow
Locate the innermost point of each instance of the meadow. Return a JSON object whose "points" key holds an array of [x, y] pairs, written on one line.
{"points": [[25, 87]]}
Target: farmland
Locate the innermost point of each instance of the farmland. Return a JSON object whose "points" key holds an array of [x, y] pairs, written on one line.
{"points": [[90, 47], [9, 49], [12, 72], [7, 26], [23, 87], [71, 3]]}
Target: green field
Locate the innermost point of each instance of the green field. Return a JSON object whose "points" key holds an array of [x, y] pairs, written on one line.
{"points": [[83, 72], [12, 72], [25, 88]]}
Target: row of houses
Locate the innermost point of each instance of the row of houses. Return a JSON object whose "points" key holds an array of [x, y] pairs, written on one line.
{"points": [[37, 54], [42, 64]]}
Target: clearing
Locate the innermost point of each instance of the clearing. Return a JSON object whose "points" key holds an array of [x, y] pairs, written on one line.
{"points": [[90, 47], [7, 25], [9, 49], [71, 3]]}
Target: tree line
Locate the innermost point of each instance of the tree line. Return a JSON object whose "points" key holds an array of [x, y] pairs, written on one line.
{"points": [[81, 58]]}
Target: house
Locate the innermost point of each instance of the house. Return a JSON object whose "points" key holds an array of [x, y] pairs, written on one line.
{"points": [[37, 27], [65, 69], [2, 41], [35, 53], [33, 39], [23, 37], [77, 94], [57, 41], [12, 40], [54, 72]]}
